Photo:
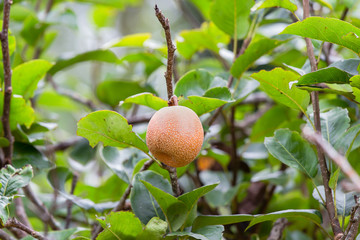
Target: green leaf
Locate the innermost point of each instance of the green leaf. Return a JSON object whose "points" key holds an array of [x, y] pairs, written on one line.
{"points": [[150, 60], [232, 17], [308, 214], [52, 100], [201, 105], [186, 234], [345, 143], [132, 40], [287, 4], [348, 65], [191, 198], [96, 55], [120, 225], [25, 154], [276, 84], [328, 30], [174, 209], [58, 177], [20, 111], [89, 205], [208, 36], [82, 152], [147, 99], [334, 124], [211, 232], [142, 202], [291, 149], [197, 82], [324, 75], [33, 29], [344, 201], [121, 162], [110, 128], [120, 4], [224, 192], [254, 51], [154, 230], [26, 76], [268, 123], [206, 220], [112, 92], [334, 178]]}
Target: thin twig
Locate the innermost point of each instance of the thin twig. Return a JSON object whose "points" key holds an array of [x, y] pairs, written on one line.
{"points": [[12, 222], [8, 150], [120, 206], [278, 228], [352, 229], [70, 94], [5, 236], [233, 146], [69, 202], [172, 99], [339, 159], [329, 201], [171, 50], [20, 212], [44, 213], [61, 146]]}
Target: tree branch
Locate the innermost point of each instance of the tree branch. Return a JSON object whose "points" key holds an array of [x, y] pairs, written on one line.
{"points": [[8, 151], [44, 213], [12, 222], [352, 229], [329, 201], [278, 228], [69, 202]]}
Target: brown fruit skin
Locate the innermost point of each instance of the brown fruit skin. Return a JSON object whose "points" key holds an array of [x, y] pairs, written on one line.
{"points": [[175, 135]]}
